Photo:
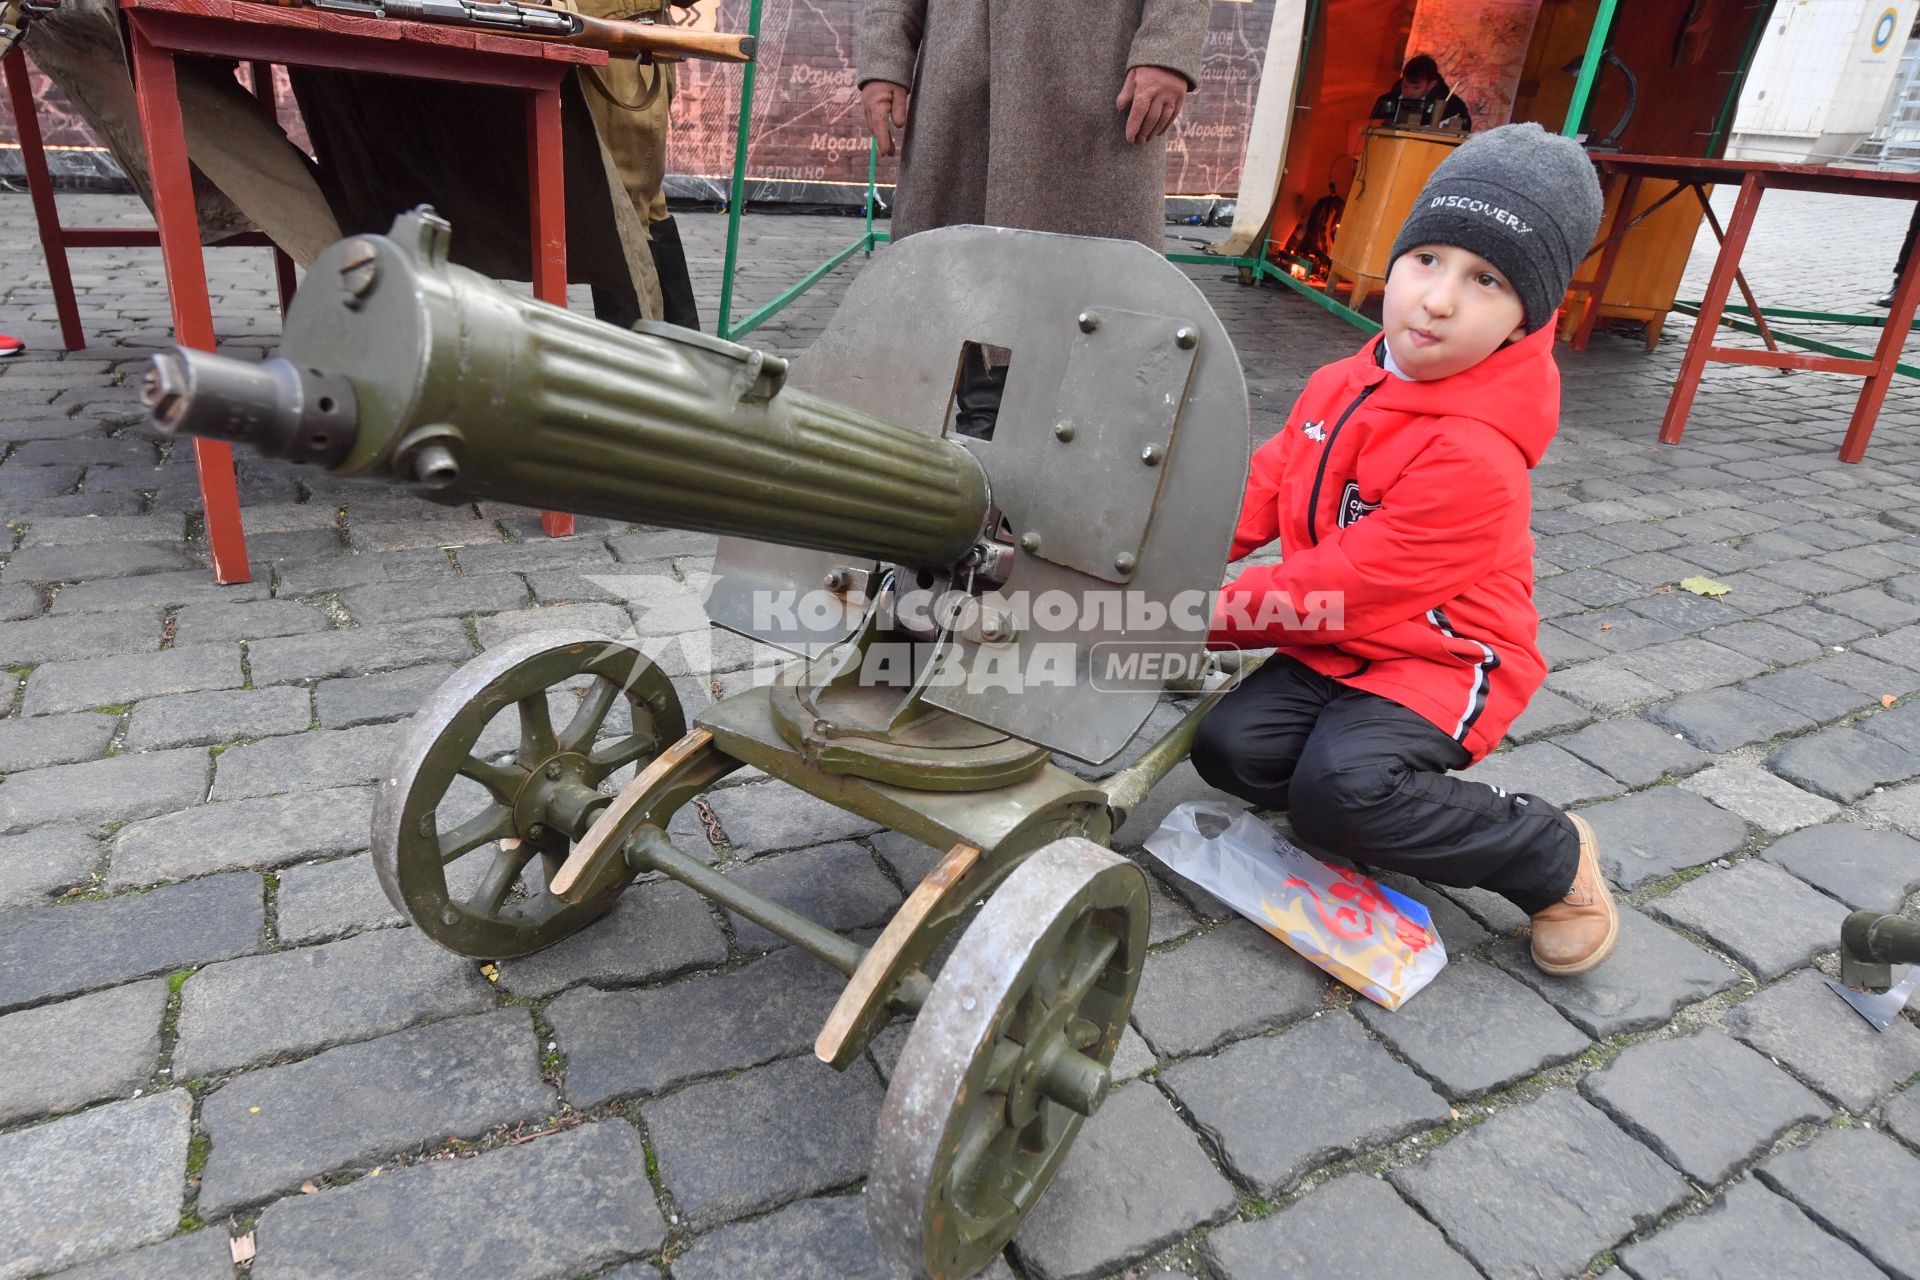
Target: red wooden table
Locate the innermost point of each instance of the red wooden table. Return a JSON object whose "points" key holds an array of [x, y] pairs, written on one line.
{"points": [[263, 34], [1754, 179]]}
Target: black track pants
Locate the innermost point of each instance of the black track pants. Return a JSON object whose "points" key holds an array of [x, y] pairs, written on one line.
{"points": [[1364, 778]]}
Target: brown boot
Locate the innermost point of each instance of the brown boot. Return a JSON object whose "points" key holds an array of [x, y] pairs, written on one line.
{"points": [[1576, 933]]}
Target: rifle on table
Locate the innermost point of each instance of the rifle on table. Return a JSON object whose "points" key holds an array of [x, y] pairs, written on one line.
{"points": [[649, 41], [15, 16]]}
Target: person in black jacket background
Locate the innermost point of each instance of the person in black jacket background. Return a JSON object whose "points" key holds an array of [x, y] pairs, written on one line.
{"points": [[1421, 88]]}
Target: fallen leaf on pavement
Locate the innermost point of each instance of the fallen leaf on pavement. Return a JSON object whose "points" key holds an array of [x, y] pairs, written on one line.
{"points": [[1887, 699], [242, 1247], [1704, 586]]}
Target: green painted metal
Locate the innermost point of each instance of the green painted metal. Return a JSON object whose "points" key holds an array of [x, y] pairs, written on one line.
{"points": [[737, 190], [1789, 313], [1589, 68], [1798, 340], [755, 319], [1717, 143]]}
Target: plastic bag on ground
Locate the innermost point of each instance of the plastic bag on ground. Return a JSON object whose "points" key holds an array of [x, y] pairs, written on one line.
{"points": [[1379, 942]]}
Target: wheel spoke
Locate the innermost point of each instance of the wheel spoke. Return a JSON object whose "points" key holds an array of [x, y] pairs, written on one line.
{"points": [[987, 1131], [1057, 976], [1089, 968], [501, 873], [491, 823], [536, 729], [618, 753], [504, 781], [585, 724]]}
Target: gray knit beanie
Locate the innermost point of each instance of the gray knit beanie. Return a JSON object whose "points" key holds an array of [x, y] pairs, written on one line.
{"points": [[1524, 199]]}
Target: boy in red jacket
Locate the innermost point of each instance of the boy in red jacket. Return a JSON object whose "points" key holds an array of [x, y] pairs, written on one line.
{"points": [[1403, 613]]}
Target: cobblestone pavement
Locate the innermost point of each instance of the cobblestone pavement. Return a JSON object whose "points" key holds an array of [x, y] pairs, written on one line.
{"points": [[212, 1023]]}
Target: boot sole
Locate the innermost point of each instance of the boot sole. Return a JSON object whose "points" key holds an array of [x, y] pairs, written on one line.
{"points": [[1588, 841]]}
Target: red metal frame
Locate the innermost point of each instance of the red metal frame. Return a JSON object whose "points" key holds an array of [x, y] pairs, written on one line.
{"points": [[1755, 180], [262, 34]]}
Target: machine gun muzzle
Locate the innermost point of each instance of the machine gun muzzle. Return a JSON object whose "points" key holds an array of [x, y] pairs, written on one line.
{"points": [[397, 364]]}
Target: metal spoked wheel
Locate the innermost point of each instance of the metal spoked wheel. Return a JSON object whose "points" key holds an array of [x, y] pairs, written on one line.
{"points": [[476, 882], [1008, 1057]]}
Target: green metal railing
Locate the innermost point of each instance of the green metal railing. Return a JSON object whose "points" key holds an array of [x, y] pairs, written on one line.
{"points": [[1729, 320]]}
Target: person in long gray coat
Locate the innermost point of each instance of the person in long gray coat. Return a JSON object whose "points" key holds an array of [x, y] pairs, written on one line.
{"points": [[1044, 114]]}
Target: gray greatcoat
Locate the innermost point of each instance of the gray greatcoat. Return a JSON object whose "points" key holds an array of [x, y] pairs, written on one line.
{"points": [[1011, 120]]}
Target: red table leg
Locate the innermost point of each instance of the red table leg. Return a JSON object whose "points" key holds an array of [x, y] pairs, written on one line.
{"points": [[1707, 323], [1622, 216], [546, 182], [165, 136], [1887, 354], [40, 185]]}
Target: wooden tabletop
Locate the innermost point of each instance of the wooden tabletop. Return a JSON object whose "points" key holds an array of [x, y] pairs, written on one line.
{"points": [[1798, 177], [444, 36]]}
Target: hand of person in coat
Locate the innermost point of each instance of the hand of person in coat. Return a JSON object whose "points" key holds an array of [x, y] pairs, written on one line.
{"points": [[885, 105], [1151, 97]]}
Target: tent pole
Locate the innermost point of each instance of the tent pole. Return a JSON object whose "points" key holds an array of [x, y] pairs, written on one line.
{"points": [[736, 192], [1589, 68]]}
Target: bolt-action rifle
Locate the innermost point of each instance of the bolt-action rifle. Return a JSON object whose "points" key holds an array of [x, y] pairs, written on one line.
{"points": [[648, 41], [16, 16]]}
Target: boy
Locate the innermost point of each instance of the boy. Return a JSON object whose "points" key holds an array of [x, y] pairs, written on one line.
{"points": [[1399, 486]]}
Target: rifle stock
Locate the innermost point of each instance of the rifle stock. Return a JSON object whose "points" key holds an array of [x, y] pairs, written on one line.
{"points": [[658, 40], [654, 40]]}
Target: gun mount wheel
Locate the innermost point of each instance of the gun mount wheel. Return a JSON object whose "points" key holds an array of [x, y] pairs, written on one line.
{"points": [[1008, 1057], [540, 796]]}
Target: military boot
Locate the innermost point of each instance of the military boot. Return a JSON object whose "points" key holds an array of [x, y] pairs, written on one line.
{"points": [[976, 400], [1578, 932], [670, 264]]}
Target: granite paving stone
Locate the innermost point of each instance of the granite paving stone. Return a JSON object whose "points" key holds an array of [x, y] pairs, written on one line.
{"points": [[20, 601], [49, 740], [654, 931], [1860, 1185], [1771, 803], [1619, 631], [1865, 868], [1763, 639], [1901, 647], [1872, 606], [564, 1205], [1604, 686], [1706, 1103], [61, 1056], [83, 563], [696, 1027], [830, 1233], [1547, 714], [320, 901], [1543, 769], [1690, 665], [115, 681], [357, 651], [1749, 1231], [252, 1010], [1632, 750], [1802, 1025], [1811, 577], [114, 595], [603, 619], [1652, 834], [1903, 1117], [837, 885], [350, 1107], [73, 531], [1818, 625], [766, 1136], [390, 695], [337, 573], [210, 623], [317, 758], [225, 835], [1491, 911], [1727, 719], [1221, 986], [1900, 726], [198, 1255], [1605, 1185], [39, 863], [1562, 649], [216, 716], [63, 950], [1897, 805], [1516, 1032], [97, 791], [1843, 763], [1814, 696], [1355, 1097], [57, 638], [655, 544], [1353, 1226], [1135, 1181], [92, 1184], [391, 602], [1756, 913], [489, 558], [1652, 973], [761, 817]]}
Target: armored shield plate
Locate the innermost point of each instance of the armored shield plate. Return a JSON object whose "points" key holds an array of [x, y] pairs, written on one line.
{"points": [[1118, 459]]}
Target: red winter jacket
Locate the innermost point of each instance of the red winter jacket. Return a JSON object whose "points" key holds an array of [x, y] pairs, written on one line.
{"points": [[1409, 503]]}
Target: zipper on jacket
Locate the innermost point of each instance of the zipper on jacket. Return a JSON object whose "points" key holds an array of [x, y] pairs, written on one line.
{"points": [[1320, 473]]}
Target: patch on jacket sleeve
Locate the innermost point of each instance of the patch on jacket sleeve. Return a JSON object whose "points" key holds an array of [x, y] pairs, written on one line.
{"points": [[1351, 507], [1315, 431]]}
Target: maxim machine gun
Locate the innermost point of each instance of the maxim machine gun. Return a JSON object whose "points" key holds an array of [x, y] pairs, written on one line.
{"points": [[958, 611]]}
